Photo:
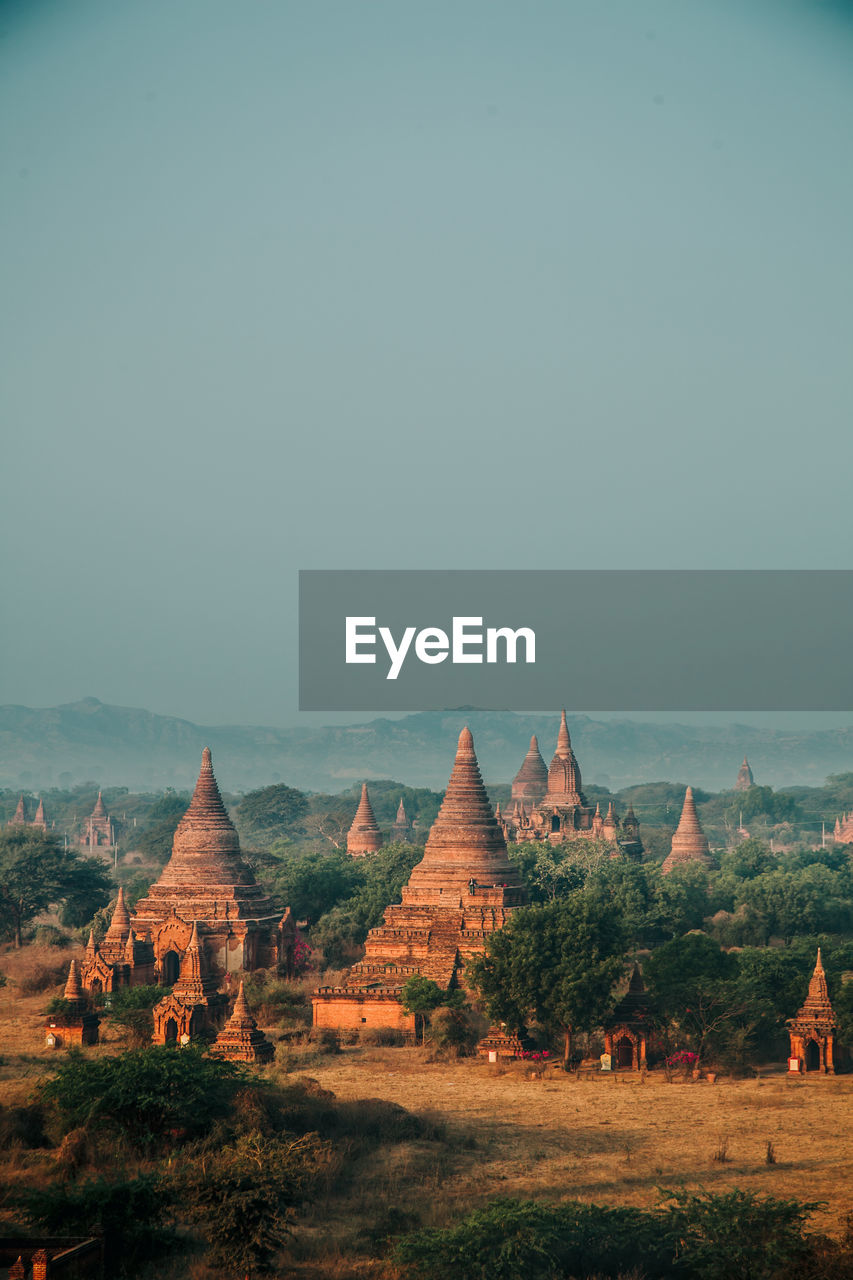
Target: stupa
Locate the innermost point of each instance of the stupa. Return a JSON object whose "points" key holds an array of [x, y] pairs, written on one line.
{"points": [[402, 829], [689, 843], [463, 889], [813, 1031], [77, 1025], [19, 817], [364, 835], [531, 782], [745, 780], [843, 831], [123, 959], [240, 1040]]}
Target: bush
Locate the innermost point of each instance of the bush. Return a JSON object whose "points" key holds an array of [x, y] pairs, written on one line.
{"points": [[22, 1126], [41, 977], [47, 935], [327, 1039], [736, 1236], [154, 1096], [130, 1008], [383, 1037], [456, 1031], [130, 1213]]}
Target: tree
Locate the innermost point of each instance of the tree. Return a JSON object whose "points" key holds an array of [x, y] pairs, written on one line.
{"points": [[420, 996], [272, 809], [558, 962], [553, 871], [694, 983], [312, 883], [37, 873]]}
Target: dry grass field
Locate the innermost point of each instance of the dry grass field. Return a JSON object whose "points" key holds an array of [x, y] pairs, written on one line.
{"points": [[501, 1131]]}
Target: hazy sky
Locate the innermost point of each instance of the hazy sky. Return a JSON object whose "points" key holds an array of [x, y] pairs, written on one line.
{"points": [[482, 284]]}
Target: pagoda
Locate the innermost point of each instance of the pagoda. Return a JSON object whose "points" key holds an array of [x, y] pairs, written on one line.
{"points": [[194, 1005], [463, 889], [813, 1031], [364, 835], [98, 832], [205, 888], [531, 782], [19, 817], [402, 828], [689, 843], [843, 831], [745, 780], [240, 1040], [77, 1025]]}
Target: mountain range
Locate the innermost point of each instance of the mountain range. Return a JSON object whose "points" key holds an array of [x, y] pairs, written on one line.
{"points": [[123, 746]]}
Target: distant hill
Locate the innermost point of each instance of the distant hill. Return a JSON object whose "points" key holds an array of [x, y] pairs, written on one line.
{"points": [[123, 746]]}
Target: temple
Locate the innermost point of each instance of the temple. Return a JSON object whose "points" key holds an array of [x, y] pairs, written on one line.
{"points": [[195, 1004], [463, 889], [364, 835], [843, 831], [549, 804], [21, 818], [689, 843], [402, 828], [76, 1025], [206, 891], [627, 1030], [240, 1040], [98, 832], [745, 780], [813, 1031]]}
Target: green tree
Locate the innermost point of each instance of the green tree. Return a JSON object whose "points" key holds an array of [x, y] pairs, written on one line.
{"points": [[420, 996], [748, 859], [553, 871], [312, 883], [275, 809], [694, 984], [37, 873], [558, 962]]}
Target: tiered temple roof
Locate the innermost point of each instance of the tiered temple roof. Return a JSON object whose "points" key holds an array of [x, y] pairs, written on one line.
{"points": [[462, 890], [814, 1027], [402, 829], [364, 835], [689, 843], [564, 775]]}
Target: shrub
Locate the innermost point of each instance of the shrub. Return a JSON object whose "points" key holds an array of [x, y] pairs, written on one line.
{"points": [[47, 935], [151, 1095], [22, 1126], [130, 1008], [41, 977], [327, 1039], [130, 1213], [383, 1037], [456, 1030]]}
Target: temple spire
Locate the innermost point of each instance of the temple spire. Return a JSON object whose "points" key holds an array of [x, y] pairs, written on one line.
{"points": [[689, 844], [120, 923], [73, 990], [99, 811], [564, 742], [531, 780], [364, 835]]}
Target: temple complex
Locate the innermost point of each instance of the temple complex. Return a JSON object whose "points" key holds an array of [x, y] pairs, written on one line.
{"points": [[76, 1026], [813, 1031], [463, 889], [402, 828], [240, 1040], [550, 804], [364, 835], [627, 1030], [206, 891], [98, 832], [689, 843], [745, 780]]}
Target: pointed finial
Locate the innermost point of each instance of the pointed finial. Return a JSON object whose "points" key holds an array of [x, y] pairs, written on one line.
{"points": [[466, 741]]}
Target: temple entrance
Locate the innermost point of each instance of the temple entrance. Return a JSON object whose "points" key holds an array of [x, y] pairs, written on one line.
{"points": [[624, 1052], [555, 822], [812, 1056], [171, 968], [96, 987], [171, 1031]]}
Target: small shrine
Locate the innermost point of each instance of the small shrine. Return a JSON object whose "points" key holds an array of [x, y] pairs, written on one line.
{"points": [[240, 1040], [195, 1006], [627, 1030], [813, 1030], [77, 1025]]}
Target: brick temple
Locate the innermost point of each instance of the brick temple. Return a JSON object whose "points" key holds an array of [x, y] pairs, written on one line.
{"points": [[744, 779], [689, 843], [206, 889], [813, 1030], [98, 833], [463, 889], [364, 835], [549, 804]]}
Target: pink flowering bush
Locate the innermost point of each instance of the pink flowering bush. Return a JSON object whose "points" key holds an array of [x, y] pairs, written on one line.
{"points": [[682, 1058]]}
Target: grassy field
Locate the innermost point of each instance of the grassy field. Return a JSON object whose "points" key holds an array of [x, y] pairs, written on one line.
{"points": [[503, 1131]]}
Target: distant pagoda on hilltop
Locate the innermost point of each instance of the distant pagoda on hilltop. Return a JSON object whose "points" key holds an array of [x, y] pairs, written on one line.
{"points": [[463, 889], [745, 780]]}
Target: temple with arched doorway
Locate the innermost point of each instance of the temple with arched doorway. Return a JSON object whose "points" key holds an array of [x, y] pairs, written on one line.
{"points": [[627, 1030], [813, 1030]]}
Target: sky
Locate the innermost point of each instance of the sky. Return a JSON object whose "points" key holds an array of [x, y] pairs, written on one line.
{"points": [[387, 285]]}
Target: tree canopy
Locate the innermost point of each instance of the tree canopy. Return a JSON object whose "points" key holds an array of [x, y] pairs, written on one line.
{"points": [[37, 873]]}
